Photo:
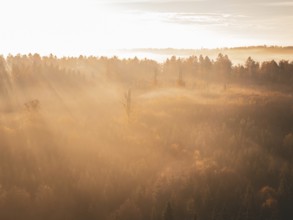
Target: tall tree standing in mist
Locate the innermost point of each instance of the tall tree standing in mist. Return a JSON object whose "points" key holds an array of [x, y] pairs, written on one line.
{"points": [[223, 67], [251, 67], [127, 103], [180, 81], [4, 79], [207, 69], [285, 71], [270, 71]]}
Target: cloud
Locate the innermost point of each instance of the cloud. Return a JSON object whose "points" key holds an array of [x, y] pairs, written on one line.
{"points": [[164, 6], [202, 18], [280, 4]]}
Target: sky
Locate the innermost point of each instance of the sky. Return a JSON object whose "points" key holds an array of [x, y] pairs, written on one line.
{"points": [[73, 27]]}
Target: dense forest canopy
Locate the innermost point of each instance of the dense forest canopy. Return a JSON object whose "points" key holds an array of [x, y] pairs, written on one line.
{"points": [[116, 139]]}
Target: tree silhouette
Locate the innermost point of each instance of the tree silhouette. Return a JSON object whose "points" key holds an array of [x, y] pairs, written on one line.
{"points": [[251, 67], [180, 81], [127, 103]]}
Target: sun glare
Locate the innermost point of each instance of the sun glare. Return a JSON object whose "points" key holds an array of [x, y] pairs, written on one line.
{"points": [[146, 109], [88, 27]]}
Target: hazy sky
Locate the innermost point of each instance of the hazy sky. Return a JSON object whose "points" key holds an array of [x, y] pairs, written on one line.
{"points": [[72, 27]]}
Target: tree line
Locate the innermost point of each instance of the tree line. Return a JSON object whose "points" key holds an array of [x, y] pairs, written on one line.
{"points": [[31, 69]]}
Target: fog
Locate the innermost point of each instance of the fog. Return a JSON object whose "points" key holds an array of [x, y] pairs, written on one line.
{"points": [[109, 138], [238, 55]]}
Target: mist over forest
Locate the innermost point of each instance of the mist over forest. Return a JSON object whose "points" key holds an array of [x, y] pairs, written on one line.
{"points": [[199, 138], [237, 54]]}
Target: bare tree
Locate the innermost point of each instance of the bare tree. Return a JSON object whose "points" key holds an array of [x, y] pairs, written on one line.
{"points": [[127, 103]]}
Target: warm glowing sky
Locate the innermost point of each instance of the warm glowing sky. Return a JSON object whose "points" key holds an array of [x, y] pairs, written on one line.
{"points": [[72, 27]]}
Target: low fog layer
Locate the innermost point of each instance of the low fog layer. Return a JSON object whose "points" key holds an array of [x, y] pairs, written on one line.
{"points": [[104, 138]]}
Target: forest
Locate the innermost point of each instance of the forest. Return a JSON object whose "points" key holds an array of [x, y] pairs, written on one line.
{"points": [[135, 139]]}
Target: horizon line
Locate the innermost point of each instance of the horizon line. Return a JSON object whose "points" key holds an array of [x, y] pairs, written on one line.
{"points": [[100, 52]]}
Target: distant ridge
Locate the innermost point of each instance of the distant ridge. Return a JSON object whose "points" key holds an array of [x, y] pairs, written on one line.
{"points": [[237, 54], [181, 51]]}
